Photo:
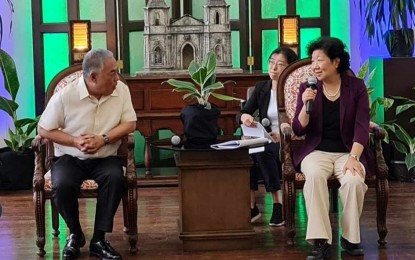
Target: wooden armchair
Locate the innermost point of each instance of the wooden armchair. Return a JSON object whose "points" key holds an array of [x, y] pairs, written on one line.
{"points": [[42, 186], [288, 86]]}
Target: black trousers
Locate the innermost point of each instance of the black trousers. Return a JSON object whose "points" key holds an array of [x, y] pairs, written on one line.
{"points": [[69, 172], [268, 165]]}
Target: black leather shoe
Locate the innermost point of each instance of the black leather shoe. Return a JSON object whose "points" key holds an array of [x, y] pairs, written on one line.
{"points": [[71, 249], [103, 250], [351, 248], [321, 250]]}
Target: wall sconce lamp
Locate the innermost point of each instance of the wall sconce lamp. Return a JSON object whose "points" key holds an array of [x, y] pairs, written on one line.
{"points": [[80, 39], [289, 32]]}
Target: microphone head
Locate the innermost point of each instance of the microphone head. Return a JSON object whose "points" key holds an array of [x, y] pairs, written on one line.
{"points": [[175, 140], [312, 80], [265, 122]]}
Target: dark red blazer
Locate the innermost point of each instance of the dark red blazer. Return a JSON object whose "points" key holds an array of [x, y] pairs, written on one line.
{"points": [[354, 120]]}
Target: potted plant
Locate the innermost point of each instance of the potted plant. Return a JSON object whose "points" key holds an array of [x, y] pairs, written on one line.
{"points": [[367, 75], [389, 19], [200, 120], [17, 159], [405, 144]]}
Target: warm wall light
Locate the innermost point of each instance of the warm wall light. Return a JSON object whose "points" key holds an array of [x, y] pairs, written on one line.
{"points": [[80, 39], [289, 32]]}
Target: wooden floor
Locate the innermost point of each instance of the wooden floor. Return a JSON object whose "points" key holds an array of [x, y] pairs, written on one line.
{"points": [[158, 239]]}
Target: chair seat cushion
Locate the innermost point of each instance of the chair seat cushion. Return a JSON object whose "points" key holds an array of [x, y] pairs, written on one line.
{"points": [[86, 185]]}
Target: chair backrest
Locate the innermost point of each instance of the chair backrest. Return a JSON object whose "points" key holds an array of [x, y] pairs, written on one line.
{"points": [[288, 86], [62, 79]]}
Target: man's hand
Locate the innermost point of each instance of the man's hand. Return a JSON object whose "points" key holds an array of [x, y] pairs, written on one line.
{"points": [[89, 143]]}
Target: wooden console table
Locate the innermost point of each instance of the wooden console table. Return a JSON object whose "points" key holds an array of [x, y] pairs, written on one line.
{"points": [[214, 199], [157, 107]]}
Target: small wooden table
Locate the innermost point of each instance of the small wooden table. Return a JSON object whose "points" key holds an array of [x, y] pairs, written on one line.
{"points": [[214, 199]]}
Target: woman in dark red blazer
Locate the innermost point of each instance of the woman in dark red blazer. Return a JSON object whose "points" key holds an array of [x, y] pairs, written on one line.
{"points": [[336, 135]]}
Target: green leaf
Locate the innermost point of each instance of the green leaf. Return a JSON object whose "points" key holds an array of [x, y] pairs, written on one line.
{"points": [[210, 64], [410, 161], [199, 76], [400, 147], [8, 106], [404, 107], [181, 84], [8, 68], [361, 74], [224, 97], [216, 85], [193, 67]]}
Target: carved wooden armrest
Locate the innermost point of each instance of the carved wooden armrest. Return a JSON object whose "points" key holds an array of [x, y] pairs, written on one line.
{"points": [[379, 134], [39, 145], [130, 173], [286, 153]]}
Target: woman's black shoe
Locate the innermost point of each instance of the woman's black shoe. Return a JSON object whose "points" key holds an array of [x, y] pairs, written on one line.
{"points": [[103, 250], [321, 250], [351, 249]]}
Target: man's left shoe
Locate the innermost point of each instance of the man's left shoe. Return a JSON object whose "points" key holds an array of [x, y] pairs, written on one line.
{"points": [[102, 249], [351, 248], [276, 218]]}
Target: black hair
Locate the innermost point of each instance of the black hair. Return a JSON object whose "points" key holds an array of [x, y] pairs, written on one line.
{"points": [[333, 48], [287, 52]]}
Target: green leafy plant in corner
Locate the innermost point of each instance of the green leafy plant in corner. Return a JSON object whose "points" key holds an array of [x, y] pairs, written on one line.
{"points": [[381, 15], [20, 138], [204, 82], [367, 75], [405, 143]]}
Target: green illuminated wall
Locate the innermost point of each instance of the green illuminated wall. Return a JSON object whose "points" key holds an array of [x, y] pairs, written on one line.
{"points": [[23, 55]]}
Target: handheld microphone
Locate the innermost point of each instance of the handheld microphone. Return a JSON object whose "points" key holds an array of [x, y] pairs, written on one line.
{"points": [[311, 83], [265, 122]]}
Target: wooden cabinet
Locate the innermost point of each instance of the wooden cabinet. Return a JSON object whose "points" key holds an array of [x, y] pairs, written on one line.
{"points": [[214, 199]]}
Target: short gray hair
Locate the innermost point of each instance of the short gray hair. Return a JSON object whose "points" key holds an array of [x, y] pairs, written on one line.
{"points": [[94, 61]]}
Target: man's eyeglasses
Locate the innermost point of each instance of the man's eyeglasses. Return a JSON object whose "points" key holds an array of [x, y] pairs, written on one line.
{"points": [[272, 62]]}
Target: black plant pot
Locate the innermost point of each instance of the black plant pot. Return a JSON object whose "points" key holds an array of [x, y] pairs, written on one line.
{"points": [[200, 126], [401, 172], [16, 169], [397, 45]]}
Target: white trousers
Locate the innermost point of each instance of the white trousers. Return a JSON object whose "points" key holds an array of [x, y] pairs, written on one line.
{"points": [[317, 167]]}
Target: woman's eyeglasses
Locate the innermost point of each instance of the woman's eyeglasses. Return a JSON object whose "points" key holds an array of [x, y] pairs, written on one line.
{"points": [[272, 62]]}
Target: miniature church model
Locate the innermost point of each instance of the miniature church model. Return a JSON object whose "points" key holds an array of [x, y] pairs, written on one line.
{"points": [[172, 45]]}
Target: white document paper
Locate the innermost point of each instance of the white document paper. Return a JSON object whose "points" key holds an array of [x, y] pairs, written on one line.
{"points": [[257, 131], [234, 144]]}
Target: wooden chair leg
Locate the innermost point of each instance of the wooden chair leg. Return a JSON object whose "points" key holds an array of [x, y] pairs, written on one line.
{"points": [[40, 222], [334, 200], [289, 210], [125, 213], [130, 217], [55, 219], [382, 197]]}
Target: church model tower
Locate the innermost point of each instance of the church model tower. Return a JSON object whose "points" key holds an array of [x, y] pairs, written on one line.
{"points": [[172, 45]]}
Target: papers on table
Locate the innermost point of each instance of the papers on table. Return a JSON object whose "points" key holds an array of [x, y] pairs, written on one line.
{"points": [[253, 137], [256, 131]]}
